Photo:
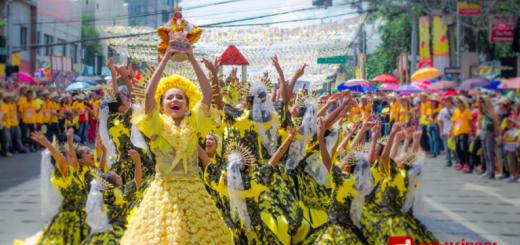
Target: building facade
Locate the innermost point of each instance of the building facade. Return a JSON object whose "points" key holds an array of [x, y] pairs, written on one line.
{"points": [[153, 13]]}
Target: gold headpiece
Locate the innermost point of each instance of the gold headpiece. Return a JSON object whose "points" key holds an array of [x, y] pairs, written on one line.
{"points": [[383, 140], [247, 156], [216, 136], [97, 174], [56, 144], [266, 81], [351, 157], [180, 69], [110, 93], [414, 157], [177, 9], [244, 92]]}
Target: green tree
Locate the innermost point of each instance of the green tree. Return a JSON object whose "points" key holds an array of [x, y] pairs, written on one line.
{"points": [[91, 48], [133, 22]]}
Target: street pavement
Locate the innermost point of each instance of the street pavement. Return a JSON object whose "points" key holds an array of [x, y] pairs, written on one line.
{"points": [[457, 207]]}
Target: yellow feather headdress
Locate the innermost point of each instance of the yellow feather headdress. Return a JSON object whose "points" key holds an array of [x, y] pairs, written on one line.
{"points": [[411, 158], [245, 153]]}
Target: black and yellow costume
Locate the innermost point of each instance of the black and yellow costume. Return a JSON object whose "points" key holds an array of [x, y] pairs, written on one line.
{"points": [[255, 180], [382, 216], [339, 229], [69, 225], [116, 202]]}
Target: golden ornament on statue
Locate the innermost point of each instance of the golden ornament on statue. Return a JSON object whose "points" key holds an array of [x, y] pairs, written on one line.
{"points": [[180, 32]]}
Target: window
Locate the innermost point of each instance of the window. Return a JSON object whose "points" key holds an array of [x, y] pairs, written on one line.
{"points": [[38, 41], [23, 35], [48, 40], [62, 49], [73, 53], [165, 16]]}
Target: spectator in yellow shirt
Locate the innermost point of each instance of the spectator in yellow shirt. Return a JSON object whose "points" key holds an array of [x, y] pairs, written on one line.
{"points": [[404, 112], [39, 115], [365, 105], [54, 127], [14, 128], [423, 120], [460, 129], [5, 138], [29, 111], [70, 121], [355, 113], [94, 102], [47, 110], [64, 107], [433, 129]]}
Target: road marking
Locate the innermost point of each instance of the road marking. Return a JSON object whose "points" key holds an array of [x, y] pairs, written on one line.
{"points": [[459, 219], [491, 192]]}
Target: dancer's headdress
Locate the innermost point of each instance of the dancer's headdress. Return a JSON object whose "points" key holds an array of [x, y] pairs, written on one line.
{"points": [[96, 215]]}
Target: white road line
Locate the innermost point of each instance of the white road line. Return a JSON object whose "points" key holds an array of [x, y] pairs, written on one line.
{"points": [[459, 219]]}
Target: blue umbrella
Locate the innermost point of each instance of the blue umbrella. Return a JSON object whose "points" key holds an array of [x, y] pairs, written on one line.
{"points": [[408, 89], [366, 89], [86, 79], [342, 87], [78, 86], [493, 85]]}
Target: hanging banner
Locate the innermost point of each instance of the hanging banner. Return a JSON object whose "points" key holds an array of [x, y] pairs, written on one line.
{"points": [[441, 54], [357, 72], [469, 9], [340, 78], [362, 63], [502, 29], [425, 59]]}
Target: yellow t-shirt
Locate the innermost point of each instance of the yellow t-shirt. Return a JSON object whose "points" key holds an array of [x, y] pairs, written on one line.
{"points": [[39, 115], [69, 122], [63, 109], [95, 107], [55, 105], [29, 115], [4, 115], [424, 113], [21, 101], [394, 110], [47, 110], [367, 110], [13, 116], [80, 108], [434, 113], [462, 121], [403, 116], [355, 114]]}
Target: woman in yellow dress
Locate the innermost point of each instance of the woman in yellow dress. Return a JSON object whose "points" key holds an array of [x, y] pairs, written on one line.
{"points": [[351, 181], [388, 209], [240, 182], [63, 194], [108, 202], [176, 208]]}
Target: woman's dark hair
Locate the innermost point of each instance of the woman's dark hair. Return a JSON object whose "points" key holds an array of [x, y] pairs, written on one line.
{"points": [[62, 150], [384, 103], [381, 149], [114, 106], [79, 152], [436, 103], [109, 178]]}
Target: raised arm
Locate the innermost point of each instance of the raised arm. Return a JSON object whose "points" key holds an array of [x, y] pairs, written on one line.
{"points": [[137, 159], [409, 134], [331, 100], [299, 72], [70, 142], [395, 147], [283, 90], [385, 156], [323, 147], [376, 130], [60, 159], [416, 140], [149, 98], [112, 68], [203, 156], [101, 146], [205, 86], [123, 72], [346, 138], [285, 145]]}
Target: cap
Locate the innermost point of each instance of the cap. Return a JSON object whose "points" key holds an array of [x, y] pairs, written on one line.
{"points": [[80, 96], [504, 100], [46, 91], [424, 94], [436, 97]]}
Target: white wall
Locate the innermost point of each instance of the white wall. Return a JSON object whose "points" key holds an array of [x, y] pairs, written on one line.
{"points": [[20, 16]]}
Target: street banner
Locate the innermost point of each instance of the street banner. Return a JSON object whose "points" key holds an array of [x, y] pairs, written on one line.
{"points": [[362, 64], [340, 77], [441, 54], [357, 72], [469, 9], [502, 29], [424, 48]]}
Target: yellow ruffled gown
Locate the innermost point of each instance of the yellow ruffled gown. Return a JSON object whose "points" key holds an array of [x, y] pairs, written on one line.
{"points": [[382, 216], [69, 225], [176, 208]]}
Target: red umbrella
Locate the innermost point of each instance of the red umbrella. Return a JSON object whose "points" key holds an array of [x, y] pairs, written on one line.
{"points": [[24, 77], [367, 85], [449, 93], [422, 84], [385, 78]]}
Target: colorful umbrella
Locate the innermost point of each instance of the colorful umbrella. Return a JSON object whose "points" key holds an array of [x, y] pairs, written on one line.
{"points": [[389, 86], [442, 85], [473, 83], [493, 85], [425, 74], [513, 83], [422, 84], [78, 86], [86, 79], [24, 77], [385, 78], [354, 82], [449, 93], [408, 89]]}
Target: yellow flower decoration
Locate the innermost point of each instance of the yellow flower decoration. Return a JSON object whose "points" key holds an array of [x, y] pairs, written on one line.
{"points": [[175, 81]]}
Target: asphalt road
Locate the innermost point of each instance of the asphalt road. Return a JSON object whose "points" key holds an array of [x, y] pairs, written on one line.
{"points": [[456, 206]]}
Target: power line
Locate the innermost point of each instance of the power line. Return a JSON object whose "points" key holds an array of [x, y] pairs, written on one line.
{"points": [[30, 47]]}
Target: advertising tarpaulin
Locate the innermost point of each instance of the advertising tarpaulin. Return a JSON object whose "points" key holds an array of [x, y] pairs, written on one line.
{"points": [[469, 9], [441, 55], [424, 48], [501, 29]]}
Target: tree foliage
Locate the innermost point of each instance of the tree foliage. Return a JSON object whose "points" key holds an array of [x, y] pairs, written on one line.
{"points": [[91, 48]]}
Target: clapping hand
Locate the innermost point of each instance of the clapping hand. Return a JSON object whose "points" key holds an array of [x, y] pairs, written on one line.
{"points": [[134, 155], [40, 138]]}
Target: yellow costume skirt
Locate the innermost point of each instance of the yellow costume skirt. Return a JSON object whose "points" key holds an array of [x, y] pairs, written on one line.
{"points": [[176, 212], [110, 237], [331, 233]]}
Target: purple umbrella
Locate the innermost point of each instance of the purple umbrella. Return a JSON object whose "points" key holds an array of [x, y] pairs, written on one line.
{"points": [[408, 89], [473, 83]]}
